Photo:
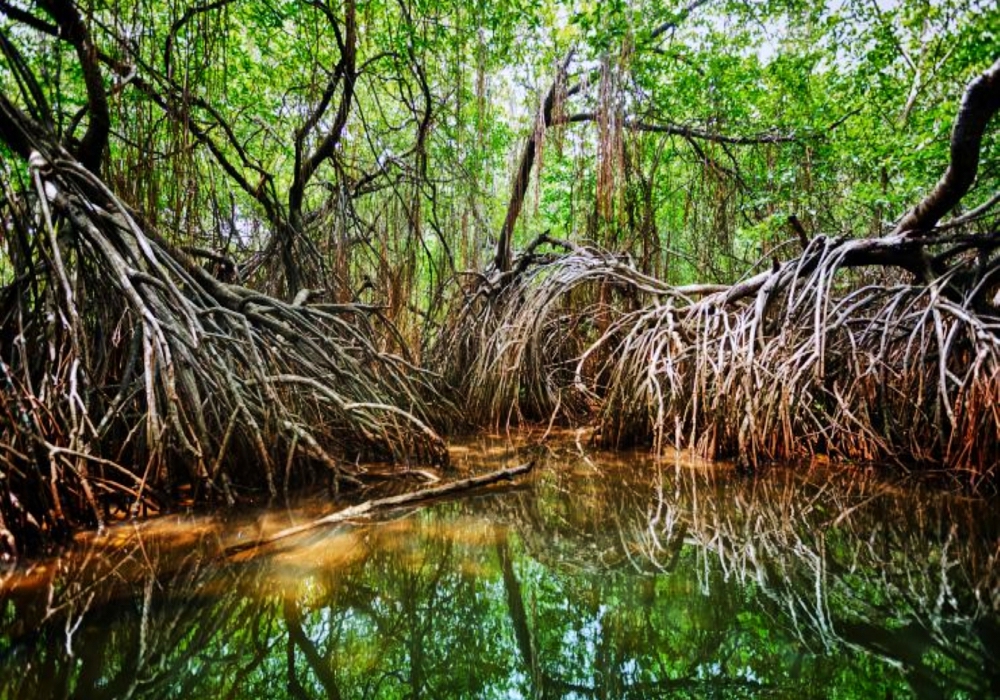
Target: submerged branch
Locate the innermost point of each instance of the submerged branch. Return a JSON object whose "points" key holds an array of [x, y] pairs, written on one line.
{"points": [[373, 506]]}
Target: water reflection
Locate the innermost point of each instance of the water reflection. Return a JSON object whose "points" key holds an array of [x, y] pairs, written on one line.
{"points": [[608, 577]]}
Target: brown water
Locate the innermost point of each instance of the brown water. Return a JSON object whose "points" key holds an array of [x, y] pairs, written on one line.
{"points": [[603, 576]]}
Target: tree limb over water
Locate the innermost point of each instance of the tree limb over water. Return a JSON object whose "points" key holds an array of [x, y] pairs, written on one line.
{"points": [[979, 105]]}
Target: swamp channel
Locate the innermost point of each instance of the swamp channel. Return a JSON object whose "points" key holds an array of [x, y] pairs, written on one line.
{"points": [[601, 575]]}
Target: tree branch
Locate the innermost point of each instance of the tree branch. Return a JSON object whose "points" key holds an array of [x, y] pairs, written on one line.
{"points": [[24, 17], [980, 102], [502, 259], [327, 146], [73, 30], [380, 504], [18, 131], [687, 131], [675, 22], [179, 24]]}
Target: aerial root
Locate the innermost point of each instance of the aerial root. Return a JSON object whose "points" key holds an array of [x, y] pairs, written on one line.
{"points": [[512, 348], [798, 361], [902, 373], [129, 372]]}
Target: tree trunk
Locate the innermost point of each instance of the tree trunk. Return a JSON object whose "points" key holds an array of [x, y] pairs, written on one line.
{"points": [[980, 102]]}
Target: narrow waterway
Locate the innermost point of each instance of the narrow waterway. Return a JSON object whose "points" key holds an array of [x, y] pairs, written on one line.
{"points": [[602, 576]]}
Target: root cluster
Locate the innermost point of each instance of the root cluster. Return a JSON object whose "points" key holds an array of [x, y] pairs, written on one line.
{"points": [[797, 361], [905, 373], [513, 349], [129, 373]]}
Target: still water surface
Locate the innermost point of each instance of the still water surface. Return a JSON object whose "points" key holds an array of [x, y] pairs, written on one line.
{"points": [[603, 576]]}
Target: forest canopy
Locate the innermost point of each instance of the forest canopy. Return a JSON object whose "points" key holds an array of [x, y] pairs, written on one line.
{"points": [[248, 244]]}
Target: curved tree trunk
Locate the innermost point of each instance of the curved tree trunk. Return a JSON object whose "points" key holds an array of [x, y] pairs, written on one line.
{"points": [[502, 260], [980, 102]]}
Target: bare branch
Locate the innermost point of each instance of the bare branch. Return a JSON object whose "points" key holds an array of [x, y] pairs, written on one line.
{"points": [[179, 24], [73, 29], [502, 259], [327, 146], [688, 132], [675, 22], [24, 17]]}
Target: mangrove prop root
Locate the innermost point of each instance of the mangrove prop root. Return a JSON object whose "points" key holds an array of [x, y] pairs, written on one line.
{"points": [[128, 371], [807, 357], [803, 359], [376, 505], [512, 347], [802, 364]]}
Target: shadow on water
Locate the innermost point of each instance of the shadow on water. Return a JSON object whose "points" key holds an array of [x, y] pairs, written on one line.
{"points": [[609, 576]]}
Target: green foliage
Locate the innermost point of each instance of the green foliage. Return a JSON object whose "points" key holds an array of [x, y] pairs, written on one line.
{"points": [[446, 93]]}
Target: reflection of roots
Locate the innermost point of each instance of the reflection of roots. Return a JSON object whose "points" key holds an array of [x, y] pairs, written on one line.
{"points": [[115, 618], [840, 560], [848, 562], [129, 372]]}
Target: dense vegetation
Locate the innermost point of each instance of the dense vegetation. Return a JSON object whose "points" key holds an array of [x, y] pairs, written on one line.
{"points": [[251, 243]]}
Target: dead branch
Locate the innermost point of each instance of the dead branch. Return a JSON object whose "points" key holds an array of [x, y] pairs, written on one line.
{"points": [[369, 508]]}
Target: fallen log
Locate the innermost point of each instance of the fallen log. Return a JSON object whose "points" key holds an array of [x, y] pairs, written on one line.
{"points": [[380, 504]]}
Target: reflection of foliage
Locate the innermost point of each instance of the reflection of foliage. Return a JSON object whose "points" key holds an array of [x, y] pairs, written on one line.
{"points": [[776, 576], [591, 584], [840, 561]]}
